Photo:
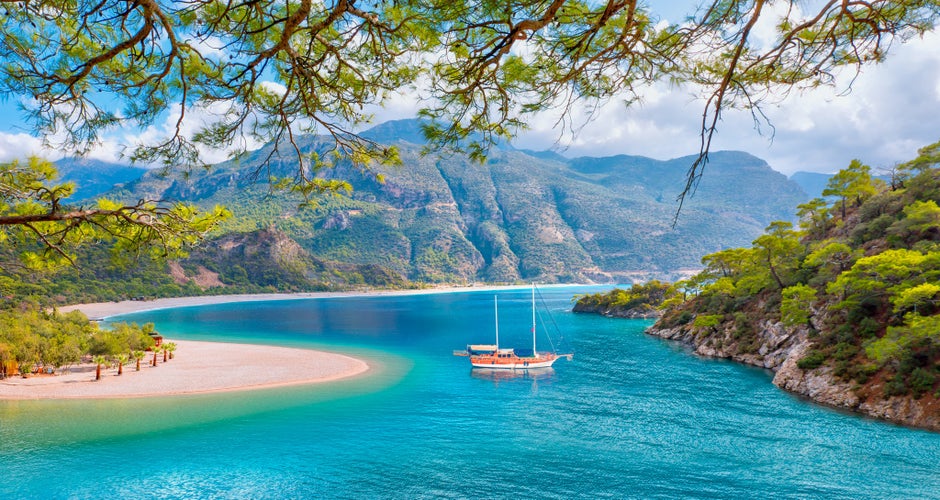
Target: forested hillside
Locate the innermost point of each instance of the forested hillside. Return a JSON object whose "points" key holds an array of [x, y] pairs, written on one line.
{"points": [[444, 218], [436, 218], [846, 308]]}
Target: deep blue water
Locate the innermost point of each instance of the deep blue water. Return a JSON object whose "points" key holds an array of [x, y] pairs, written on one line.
{"points": [[630, 417]]}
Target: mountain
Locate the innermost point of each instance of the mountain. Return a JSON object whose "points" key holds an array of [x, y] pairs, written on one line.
{"points": [[94, 177], [814, 183], [519, 216]]}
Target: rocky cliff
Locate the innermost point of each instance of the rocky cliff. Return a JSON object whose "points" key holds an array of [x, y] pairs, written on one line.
{"points": [[779, 348]]}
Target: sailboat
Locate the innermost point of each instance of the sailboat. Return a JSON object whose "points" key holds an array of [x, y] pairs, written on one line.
{"points": [[494, 357]]}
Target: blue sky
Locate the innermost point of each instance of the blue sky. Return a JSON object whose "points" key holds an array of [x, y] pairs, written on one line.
{"points": [[891, 110]]}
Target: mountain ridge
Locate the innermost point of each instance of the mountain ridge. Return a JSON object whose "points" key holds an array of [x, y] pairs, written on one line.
{"points": [[516, 217], [442, 218]]}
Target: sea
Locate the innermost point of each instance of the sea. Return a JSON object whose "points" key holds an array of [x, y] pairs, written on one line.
{"points": [[629, 416]]}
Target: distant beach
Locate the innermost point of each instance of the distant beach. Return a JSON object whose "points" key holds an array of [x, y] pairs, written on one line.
{"points": [[198, 367], [101, 310]]}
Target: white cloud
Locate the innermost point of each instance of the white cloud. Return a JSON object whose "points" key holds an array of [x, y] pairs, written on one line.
{"points": [[19, 146], [890, 112]]}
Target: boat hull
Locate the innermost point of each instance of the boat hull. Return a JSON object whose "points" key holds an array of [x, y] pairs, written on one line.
{"points": [[493, 363]]}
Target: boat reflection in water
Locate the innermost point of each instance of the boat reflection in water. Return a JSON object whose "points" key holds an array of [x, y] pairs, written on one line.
{"points": [[500, 375]]}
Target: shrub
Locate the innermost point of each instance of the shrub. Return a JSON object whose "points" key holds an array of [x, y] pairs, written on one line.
{"points": [[868, 328], [895, 387], [861, 373], [845, 351], [813, 359], [707, 321], [920, 381]]}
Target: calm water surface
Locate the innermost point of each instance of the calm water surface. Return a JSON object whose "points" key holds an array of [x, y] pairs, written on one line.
{"points": [[630, 417]]}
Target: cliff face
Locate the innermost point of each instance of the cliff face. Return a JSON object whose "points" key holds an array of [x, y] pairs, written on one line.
{"points": [[778, 348], [846, 310]]}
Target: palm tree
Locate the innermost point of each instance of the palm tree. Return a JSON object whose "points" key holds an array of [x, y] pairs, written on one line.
{"points": [[138, 355], [121, 359], [164, 349], [99, 360], [154, 363], [171, 347]]}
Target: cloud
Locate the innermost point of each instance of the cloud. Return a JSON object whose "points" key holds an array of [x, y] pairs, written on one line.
{"points": [[887, 115], [889, 112], [18, 146]]}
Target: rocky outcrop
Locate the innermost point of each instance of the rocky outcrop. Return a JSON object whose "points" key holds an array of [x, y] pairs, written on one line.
{"points": [[775, 344], [818, 384], [779, 348], [643, 312], [203, 278]]}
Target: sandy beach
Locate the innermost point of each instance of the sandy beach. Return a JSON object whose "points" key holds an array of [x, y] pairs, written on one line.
{"points": [[198, 367], [201, 367]]}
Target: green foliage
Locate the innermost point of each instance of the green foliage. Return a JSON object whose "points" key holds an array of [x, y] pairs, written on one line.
{"points": [[83, 69], [707, 321], [45, 232], [832, 257], [920, 381], [873, 278], [780, 249], [885, 275], [925, 295], [796, 303], [641, 297], [927, 157], [812, 360], [30, 336], [814, 217], [122, 338], [852, 183], [899, 340], [921, 221]]}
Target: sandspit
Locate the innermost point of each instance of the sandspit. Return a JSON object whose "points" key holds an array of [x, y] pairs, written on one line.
{"points": [[198, 367], [201, 367], [101, 310]]}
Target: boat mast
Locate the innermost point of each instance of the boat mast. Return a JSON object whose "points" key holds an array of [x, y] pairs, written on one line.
{"points": [[534, 352], [496, 315]]}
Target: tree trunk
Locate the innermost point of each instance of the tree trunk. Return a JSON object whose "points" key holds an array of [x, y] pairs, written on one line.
{"points": [[138, 364], [97, 372], [120, 368], [164, 356], [773, 272], [154, 357]]}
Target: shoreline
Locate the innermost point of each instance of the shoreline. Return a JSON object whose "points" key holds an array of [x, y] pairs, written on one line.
{"points": [[202, 367], [99, 311], [197, 368]]}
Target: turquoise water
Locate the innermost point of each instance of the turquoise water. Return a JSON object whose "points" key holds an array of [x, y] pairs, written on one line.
{"points": [[630, 417]]}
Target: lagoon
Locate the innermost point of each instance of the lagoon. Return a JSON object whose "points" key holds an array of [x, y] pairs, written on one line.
{"points": [[631, 416]]}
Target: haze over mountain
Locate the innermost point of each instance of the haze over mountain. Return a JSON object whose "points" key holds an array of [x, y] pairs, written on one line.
{"points": [[814, 183], [521, 216], [94, 177]]}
